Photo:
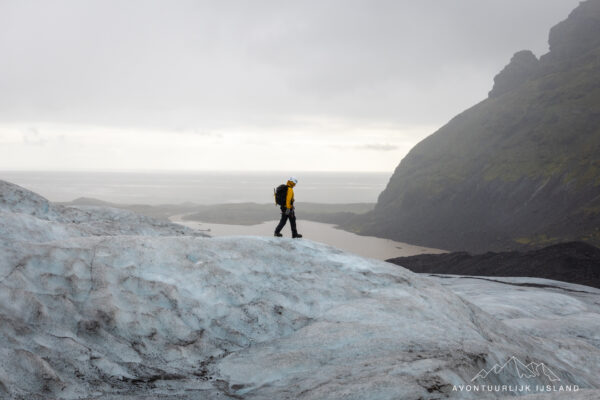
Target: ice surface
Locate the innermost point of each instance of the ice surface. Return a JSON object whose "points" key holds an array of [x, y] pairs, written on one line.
{"points": [[45, 221], [542, 308], [99, 303]]}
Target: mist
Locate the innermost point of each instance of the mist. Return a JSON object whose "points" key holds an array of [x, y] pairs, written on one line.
{"points": [[268, 85]]}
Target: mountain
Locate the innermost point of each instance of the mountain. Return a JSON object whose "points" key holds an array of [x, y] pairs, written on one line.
{"points": [[99, 303], [520, 169], [574, 262]]}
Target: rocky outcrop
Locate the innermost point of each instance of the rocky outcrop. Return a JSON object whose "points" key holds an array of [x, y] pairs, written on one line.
{"points": [[576, 35], [522, 66], [519, 169]]}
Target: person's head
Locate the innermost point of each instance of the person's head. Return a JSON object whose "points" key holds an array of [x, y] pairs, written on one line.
{"points": [[292, 181]]}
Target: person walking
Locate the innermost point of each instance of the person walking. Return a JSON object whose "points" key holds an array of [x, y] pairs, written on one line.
{"points": [[287, 207]]}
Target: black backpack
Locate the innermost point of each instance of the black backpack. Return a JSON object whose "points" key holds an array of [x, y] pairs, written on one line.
{"points": [[280, 195]]}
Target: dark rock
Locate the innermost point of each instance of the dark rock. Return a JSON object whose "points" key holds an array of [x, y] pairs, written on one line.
{"points": [[578, 34], [522, 66], [573, 262]]}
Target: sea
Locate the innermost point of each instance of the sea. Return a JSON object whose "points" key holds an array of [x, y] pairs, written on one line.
{"points": [[200, 187]]}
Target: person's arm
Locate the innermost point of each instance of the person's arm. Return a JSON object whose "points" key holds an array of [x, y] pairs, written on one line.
{"points": [[289, 198]]}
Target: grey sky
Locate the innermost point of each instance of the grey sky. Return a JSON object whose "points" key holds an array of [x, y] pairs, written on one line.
{"points": [[338, 81]]}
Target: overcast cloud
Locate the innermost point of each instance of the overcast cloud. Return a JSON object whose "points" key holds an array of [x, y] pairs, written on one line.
{"points": [[251, 78]]}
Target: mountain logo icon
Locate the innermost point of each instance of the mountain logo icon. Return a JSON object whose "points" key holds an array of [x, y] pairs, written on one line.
{"points": [[528, 371]]}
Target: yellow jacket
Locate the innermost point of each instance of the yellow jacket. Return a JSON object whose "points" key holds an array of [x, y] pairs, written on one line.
{"points": [[289, 200]]}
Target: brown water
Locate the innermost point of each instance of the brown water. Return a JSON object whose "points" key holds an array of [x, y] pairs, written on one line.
{"points": [[367, 246]]}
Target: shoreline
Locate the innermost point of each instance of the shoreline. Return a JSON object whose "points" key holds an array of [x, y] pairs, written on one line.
{"points": [[366, 246]]}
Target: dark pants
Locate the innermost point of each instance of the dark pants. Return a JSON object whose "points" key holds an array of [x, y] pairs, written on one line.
{"points": [[284, 219]]}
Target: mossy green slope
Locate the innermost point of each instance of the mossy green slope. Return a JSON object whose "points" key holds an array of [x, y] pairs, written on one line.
{"points": [[521, 168]]}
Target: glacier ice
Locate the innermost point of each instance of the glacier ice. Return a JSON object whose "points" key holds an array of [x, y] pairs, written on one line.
{"points": [[102, 303]]}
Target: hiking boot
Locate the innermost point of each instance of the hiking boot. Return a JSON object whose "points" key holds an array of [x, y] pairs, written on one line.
{"points": [[278, 234], [297, 236]]}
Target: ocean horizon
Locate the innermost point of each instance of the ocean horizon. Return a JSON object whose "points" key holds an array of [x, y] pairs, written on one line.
{"points": [[202, 187]]}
